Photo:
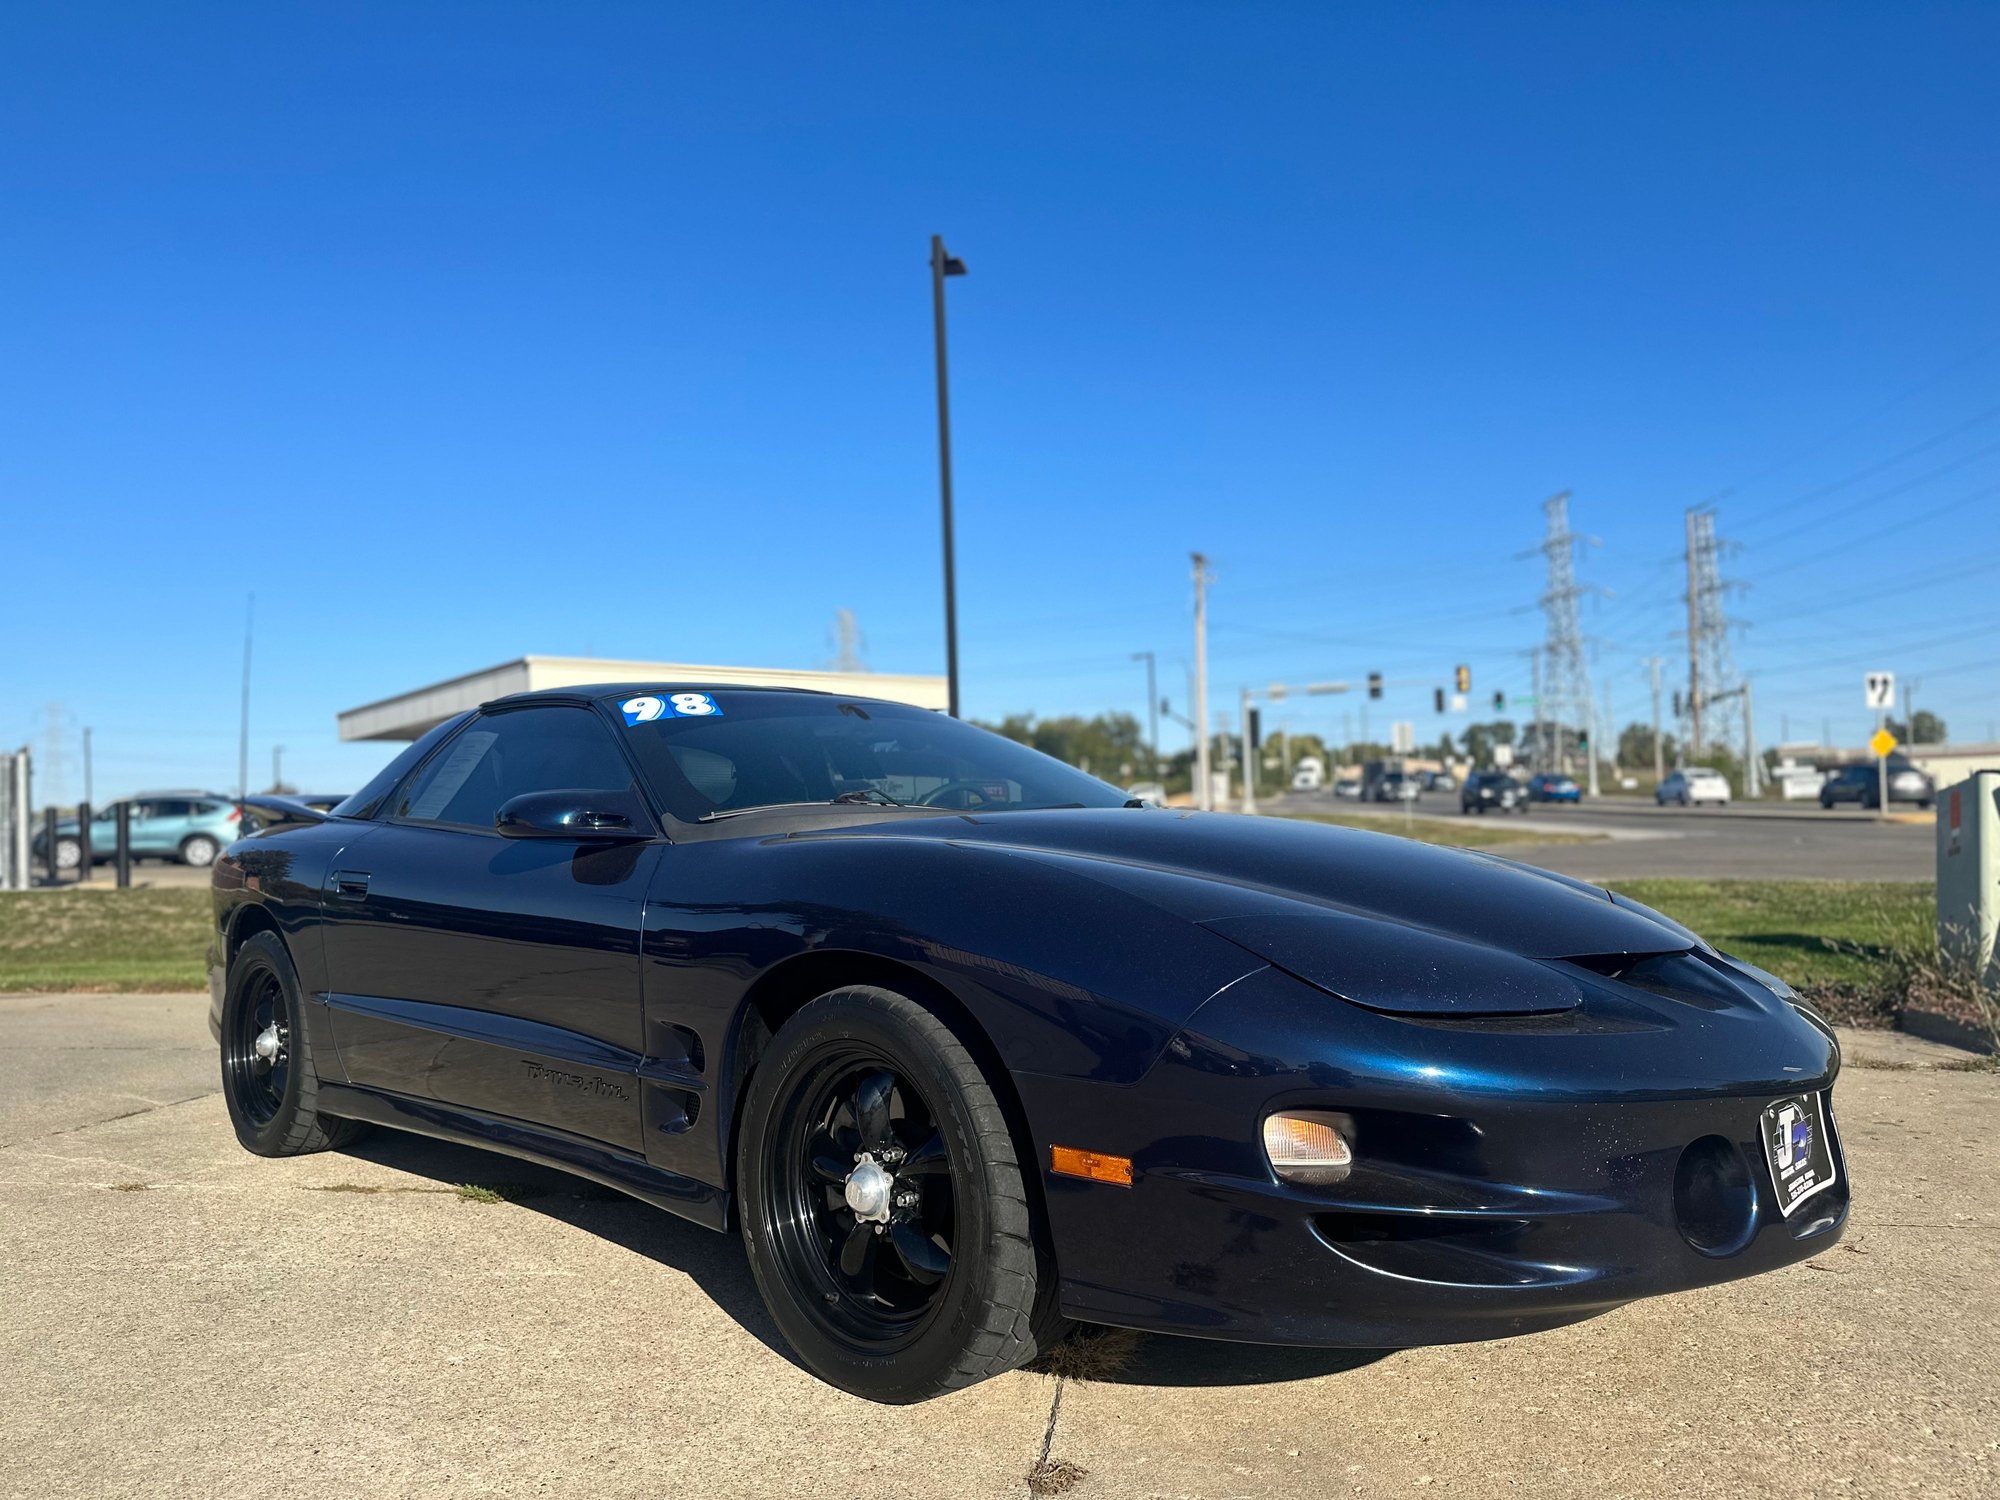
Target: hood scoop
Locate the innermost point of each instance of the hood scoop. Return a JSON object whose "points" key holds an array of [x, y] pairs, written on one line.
{"points": [[1402, 970]]}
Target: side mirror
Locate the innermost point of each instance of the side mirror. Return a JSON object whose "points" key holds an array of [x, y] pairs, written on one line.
{"points": [[585, 816]]}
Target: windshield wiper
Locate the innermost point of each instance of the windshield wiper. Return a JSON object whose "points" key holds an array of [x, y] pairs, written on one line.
{"points": [[869, 793], [868, 797]]}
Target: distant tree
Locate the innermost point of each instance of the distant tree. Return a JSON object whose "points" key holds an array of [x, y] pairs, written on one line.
{"points": [[1481, 738], [1110, 746], [1928, 729], [1635, 747]]}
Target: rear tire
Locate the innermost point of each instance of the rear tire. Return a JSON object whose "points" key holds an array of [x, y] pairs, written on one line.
{"points": [[952, 1286], [69, 855], [199, 850], [272, 1095]]}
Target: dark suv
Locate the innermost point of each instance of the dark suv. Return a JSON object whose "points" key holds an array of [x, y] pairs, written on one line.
{"points": [[1863, 784], [1484, 789]]}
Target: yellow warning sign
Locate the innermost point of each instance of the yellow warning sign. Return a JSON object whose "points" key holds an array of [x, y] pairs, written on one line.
{"points": [[1882, 742]]}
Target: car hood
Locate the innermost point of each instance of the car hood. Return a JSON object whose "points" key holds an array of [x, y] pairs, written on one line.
{"points": [[1383, 921]]}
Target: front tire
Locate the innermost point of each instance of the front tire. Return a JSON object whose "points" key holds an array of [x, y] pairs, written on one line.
{"points": [[268, 1078], [884, 1207]]}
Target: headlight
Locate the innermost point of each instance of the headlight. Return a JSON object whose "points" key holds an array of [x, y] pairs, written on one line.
{"points": [[1307, 1146]]}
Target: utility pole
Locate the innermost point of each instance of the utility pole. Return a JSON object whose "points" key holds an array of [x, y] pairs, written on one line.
{"points": [[1249, 764], [1659, 750], [277, 773], [1592, 751], [1203, 791], [1537, 758], [1152, 709], [90, 800], [1694, 642], [1751, 788], [943, 265], [1910, 686], [243, 745]]}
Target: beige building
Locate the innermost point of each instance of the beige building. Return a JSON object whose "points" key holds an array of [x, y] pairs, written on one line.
{"points": [[408, 715]]}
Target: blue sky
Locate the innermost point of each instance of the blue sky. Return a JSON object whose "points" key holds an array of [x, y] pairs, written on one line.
{"points": [[459, 332]]}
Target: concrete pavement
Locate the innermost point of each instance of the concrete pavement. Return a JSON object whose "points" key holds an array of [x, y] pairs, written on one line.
{"points": [[181, 1318]]}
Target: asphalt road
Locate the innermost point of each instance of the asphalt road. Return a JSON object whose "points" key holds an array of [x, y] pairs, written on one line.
{"points": [[1776, 842], [180, 1318]]}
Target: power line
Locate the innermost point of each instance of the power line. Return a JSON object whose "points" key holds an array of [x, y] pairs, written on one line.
{"points": [[1822, 491]]}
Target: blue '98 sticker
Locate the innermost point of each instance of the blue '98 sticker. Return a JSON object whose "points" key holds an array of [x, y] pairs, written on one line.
{"points": [[649, 706]]}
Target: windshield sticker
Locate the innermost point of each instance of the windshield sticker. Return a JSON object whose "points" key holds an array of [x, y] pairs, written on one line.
{"points": [[648, 707]]}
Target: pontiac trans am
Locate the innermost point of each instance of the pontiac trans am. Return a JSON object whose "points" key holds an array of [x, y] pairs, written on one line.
{"points": [[967, 1044]]}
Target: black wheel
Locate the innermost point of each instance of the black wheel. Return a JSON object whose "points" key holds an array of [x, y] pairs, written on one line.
{"points": [[268, 1080], [883, 1203], [199, 850]]}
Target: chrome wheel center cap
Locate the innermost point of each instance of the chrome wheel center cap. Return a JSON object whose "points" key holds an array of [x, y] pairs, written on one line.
{"points": [[267, 1045], [869, 1190]]}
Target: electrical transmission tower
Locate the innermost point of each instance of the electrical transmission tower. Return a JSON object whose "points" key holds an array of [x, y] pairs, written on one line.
{"points": [[1565, 701], [1712, 708], [848, 643]]}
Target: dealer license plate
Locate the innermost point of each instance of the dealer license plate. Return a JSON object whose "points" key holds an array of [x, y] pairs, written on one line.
{"points": [[1798, 1142]]}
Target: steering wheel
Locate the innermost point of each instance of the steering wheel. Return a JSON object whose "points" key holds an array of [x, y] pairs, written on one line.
{"points": [[971, 795]]}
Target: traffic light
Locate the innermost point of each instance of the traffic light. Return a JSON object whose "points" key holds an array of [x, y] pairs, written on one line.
{"points": [[1677, 703], [1499, 703], [1438, 698], [1464, 679], [1256, 728], [1374, 684]]}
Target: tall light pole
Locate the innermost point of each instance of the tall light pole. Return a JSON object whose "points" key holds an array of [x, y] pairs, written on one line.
{"points": [[1152, 710], [1204, 792], [277, 763], [944, 264]]}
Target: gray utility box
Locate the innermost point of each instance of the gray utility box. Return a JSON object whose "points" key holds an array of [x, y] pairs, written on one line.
{"points": [[1968, 874]]}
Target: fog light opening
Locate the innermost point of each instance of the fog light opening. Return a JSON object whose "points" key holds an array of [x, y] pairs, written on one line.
{"points": [[1307, 1146]]}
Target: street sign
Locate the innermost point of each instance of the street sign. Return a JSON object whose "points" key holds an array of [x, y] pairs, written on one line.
{"points": [[1882, 743], [1402, 737], [1458, 703], [1880, 690]]}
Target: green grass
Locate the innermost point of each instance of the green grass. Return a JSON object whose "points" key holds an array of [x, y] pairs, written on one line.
{"points": [[1464, 833], [104, 939], [1842, 933]]}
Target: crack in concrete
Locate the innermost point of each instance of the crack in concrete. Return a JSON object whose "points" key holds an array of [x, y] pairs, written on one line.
{"points": [[1046, 1477], [150, 1108]]}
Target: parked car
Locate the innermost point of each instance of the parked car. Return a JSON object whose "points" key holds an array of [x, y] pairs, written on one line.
{"points": [[1485, 790], [1862, 784], [1547, 786], [1438, 781], [964, 1046], [1693, 786], [1395, 786], [1348, 786], [189, 827]]}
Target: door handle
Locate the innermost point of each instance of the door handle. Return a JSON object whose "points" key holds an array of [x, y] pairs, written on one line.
{"points": [[350, 885]]}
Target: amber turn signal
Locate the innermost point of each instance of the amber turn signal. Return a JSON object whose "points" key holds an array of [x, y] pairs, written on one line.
{"points": [[1304, 1146], [1073, 1161]]}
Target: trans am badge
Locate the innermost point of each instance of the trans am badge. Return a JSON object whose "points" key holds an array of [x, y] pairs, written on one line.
{"points": [[1795, 1141]]}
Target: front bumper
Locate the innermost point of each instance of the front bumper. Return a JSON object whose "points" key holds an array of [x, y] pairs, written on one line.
{"points": [[1508, 1178]]}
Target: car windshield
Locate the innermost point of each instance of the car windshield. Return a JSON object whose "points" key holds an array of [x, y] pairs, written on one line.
{"points": [[709, 755]]}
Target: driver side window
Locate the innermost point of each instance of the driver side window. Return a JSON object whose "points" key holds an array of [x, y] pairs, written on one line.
{"points": [[501, 756]]}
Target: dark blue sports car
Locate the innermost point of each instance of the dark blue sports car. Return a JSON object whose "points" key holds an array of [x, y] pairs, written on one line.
{"points": [[967, 1043]]}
